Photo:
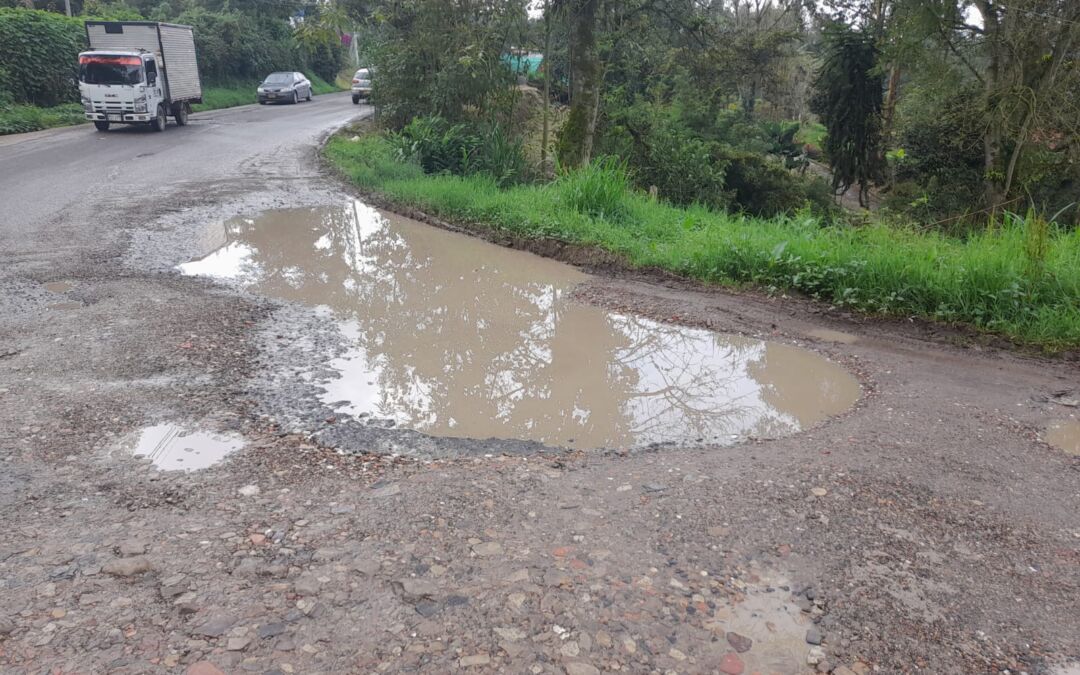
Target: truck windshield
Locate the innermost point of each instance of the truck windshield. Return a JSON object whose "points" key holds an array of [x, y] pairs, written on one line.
{"points": [[110, 69]]}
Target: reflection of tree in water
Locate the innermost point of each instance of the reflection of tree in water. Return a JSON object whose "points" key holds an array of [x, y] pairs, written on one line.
{"points": [[457, 337]]}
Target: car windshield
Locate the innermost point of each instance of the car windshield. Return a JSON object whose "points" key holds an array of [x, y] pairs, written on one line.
{"points": [[110, 69], [363, 74], [279, 78]]}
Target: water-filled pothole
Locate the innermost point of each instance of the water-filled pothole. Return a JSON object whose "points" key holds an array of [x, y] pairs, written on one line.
{"points": [[173, 448], [453, 336], [1065, 435]]}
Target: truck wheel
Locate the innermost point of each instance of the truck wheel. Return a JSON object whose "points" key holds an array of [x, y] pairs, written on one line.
{"points": [[101, 126], [159, 122], [180, 113]]}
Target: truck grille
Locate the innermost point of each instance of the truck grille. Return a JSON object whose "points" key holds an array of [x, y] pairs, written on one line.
{"points": [[114, 107]]}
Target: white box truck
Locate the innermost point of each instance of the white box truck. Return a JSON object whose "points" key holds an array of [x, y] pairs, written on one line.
{"points": [[138, 72]]}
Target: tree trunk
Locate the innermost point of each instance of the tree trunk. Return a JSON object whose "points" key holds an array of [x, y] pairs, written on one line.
{"points": [[547, 90], [993, 173], [579, 131]]}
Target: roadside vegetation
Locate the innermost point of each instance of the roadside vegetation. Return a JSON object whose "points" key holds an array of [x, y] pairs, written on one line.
{"points": [[238, 44]]}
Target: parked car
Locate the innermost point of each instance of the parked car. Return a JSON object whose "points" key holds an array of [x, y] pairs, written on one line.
{"points": [[361, 85], [290, 87]]}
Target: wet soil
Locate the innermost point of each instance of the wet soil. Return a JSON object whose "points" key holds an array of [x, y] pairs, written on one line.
{"points": [[929, 528]]}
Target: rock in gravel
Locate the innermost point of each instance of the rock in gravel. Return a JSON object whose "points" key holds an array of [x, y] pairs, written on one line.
{"points": [[475, 660], [7, 626], [204, 668], [307, 584], [819, 492], [816, 656], [488, 548], [387, 490], [249, 491], [579, 668], [237, 643], [133, 547], [269, 630], [654, 487], [215, 626], [415, 589], [127, 567], [813, 636], [731, 664], [739, 643]]}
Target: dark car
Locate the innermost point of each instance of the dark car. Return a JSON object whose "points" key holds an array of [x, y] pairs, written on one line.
{"points": [[288, 87]]}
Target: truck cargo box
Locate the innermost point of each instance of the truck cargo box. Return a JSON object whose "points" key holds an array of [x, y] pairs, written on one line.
{"points": [[173, 46]]}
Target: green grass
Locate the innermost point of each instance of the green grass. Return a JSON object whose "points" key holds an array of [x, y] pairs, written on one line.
{"points": [[17, 119], [812, 133], [984, 281]]}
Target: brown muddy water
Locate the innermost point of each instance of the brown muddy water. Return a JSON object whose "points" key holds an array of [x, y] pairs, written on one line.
{"points": [[173, 448], [1065, 435], [454, 336]]}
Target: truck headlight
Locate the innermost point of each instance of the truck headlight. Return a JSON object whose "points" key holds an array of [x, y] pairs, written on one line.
{"points": [[87, 105], [140, 105]]}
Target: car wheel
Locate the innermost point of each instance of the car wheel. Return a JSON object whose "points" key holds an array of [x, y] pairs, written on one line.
{"points": [[160, 121], [295, 97], [101, 126], [356, 100], [309, 94]]}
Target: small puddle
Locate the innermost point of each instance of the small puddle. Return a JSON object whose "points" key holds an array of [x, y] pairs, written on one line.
{"points": [[60, 306], [173, 448], [1065, 435], [453, 336], [58, 286]]}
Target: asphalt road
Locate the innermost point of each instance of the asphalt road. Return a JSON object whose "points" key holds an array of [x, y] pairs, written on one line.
{"points": [[48, 177], [928, 529]]}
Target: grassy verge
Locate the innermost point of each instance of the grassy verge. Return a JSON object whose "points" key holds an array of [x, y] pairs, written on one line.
{"points": [[985, 281], [17, 119]]}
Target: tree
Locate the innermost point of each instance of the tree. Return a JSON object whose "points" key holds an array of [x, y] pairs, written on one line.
{"points": [[586, 77], [848, 99]]}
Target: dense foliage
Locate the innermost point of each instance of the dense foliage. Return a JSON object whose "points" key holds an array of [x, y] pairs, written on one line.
{"points": [[39, 56]]}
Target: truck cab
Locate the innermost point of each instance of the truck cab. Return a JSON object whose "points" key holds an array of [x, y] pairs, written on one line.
{"points": [[121, 87]]}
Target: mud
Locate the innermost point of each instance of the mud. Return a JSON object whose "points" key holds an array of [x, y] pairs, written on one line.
{"points": [[58, 286], [453, 336], [170, 447]]}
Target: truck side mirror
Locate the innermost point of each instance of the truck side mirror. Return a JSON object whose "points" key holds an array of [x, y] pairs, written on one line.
{"points": [[151, 77]]}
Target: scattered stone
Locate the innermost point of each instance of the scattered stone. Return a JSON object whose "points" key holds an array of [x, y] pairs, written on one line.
{"points": [[307, 584], [249, 491], [731, 664], [628, 644], [819, 492], [133, 547], [127, 567], [843, 670], [204, 668], [237, 644], [269, 630], [654, 487], [7, 626], [258, 539], [813, 636], [581, 668], [676, 654], [488, 548], [511, 634], [816, 656], [415, 589], [215, 626], [385, 490], [474, 660], [58, 613], [341, 509], [739, 643], [570, 649]]}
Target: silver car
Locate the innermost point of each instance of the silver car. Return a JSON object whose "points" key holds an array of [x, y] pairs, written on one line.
{"points": [[361, 85], [288, 87]]}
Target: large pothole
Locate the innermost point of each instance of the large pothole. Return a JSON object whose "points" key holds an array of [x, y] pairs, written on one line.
{"points": [[452, 336]]}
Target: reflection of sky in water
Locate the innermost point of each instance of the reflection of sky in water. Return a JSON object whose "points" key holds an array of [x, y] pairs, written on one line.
{"points": [[454, 336]]}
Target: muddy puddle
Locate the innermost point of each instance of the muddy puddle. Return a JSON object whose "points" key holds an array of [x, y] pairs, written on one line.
{"points": [[453, 336], [58, 286], [170, 447], [1065, 435]]}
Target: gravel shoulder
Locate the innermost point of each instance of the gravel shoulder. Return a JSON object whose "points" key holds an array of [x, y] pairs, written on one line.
{"points": [[929, 529]]}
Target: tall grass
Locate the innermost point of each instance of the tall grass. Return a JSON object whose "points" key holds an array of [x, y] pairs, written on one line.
{"points": [[986, 280], [17, 119]]}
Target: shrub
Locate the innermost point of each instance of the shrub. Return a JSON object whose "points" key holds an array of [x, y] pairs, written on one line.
{"points": [[461, 149], [39, 51]]}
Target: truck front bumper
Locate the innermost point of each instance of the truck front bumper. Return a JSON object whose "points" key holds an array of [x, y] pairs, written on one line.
{"points": [[119, 117]]}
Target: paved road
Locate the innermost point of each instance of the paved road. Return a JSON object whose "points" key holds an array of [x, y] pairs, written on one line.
{"points": [[927, 530], [78, 172]]}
